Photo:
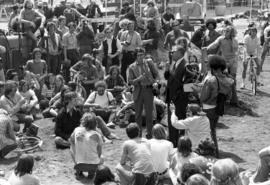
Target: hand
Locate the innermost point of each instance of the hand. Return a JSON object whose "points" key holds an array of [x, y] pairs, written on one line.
{"points": [[141, 78], [167, 66], [32, 24], [22, 101], [110, 55], [155, 85]]}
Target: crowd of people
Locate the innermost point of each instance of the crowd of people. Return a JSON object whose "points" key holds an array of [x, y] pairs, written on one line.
{"points": [[90, 77]]}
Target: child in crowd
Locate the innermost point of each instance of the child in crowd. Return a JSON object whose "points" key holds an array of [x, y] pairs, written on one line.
{"points": [[86, 146], [22, 174]]}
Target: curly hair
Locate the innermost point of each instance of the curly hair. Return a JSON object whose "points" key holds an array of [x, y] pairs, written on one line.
{"points": [[89, 121], [100, 83], [211, 21]]}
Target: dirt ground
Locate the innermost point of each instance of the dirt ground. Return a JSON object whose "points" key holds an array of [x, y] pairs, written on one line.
{"points": [[241, 133]]}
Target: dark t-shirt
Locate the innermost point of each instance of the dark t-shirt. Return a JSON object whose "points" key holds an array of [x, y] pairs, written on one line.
{"points": [[168, 17], [151, 35]]}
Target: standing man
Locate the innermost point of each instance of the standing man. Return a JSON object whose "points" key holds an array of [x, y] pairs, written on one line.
{"points": [[173, 35], [111, 48], [52, 45], [266, 44], [92, 9], [143, 75], [175, 92], [228, 46], [70, 45], [210, 35], [130, 40]]}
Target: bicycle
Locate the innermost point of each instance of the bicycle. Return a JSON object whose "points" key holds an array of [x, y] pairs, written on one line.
{"points": [[28, 144], [252, 73]]}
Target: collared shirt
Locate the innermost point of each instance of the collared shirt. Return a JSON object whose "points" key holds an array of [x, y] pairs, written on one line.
{"points": [[70, 40], [64, 29], [133, 38]]}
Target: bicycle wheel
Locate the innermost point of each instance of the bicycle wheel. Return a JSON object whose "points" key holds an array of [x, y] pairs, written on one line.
{"points": [[254, 85], [27, 144]]}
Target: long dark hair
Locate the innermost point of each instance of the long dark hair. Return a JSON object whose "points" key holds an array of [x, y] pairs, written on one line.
{"points": [[184, 146], [25, 165]]}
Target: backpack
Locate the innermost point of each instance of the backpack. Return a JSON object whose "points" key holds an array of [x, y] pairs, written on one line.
{"points": [[221, 100]]}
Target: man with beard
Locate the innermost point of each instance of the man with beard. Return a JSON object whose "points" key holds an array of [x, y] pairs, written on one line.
{"points": [[31, 21]]}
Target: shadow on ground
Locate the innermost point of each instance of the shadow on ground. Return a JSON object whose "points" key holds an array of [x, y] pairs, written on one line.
{"points": [[233, 156], [222, 126]]}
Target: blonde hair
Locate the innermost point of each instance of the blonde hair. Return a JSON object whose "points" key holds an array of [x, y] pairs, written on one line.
{"points": [[159, 132], [225, 172], [197, 179]]}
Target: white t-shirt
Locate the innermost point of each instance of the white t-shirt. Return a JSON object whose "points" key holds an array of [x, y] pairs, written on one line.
{"points": [[161, 151], [27, 179], [138, 152], [251, 45], [86, 143], [103, 101]]}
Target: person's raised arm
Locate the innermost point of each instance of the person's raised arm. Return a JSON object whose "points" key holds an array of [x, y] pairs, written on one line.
{"points": [[215, 44], [180, 124], [43, 18]]}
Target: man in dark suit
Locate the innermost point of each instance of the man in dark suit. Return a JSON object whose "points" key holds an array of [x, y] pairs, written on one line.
{"points": [[142, 74], [174, 74]]}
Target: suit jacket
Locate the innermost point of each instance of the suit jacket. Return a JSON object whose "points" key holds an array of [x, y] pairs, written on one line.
{"points": [[174, 79], [133, 73]]}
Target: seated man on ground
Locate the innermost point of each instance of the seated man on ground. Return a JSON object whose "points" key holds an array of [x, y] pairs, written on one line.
{"points": [[86, 146], [86, 65], [115, 82], [197, 125], [69, 118], [102, 101], [137, 151], [7, 135]]}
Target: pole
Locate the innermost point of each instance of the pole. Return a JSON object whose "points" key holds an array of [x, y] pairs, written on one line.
{"points": [[250, 11]]}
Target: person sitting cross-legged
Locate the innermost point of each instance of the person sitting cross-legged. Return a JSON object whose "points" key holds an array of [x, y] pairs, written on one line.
{"points": [[69, 118], [102, 101], [86, 146], [137, 151]]}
